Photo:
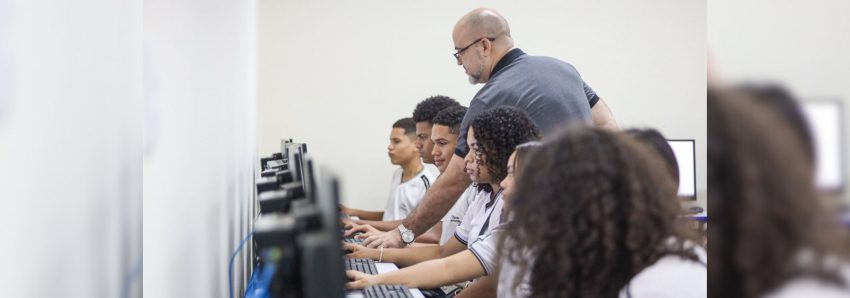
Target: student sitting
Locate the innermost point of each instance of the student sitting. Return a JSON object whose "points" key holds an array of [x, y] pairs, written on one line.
{"points": [[598, 217], [409, 182], [786, 242], [491, 145], [423, 116], [444, 134], [656, 141]]}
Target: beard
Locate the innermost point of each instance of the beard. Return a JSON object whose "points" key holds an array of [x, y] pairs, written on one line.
{"points": [[475, 76]]}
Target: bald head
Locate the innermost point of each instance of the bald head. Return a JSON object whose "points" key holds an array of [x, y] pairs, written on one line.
{"points": [[483, 23]]}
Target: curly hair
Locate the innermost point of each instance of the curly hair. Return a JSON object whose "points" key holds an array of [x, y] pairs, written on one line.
{"points": [[428, 108], [451, 117], [609, 210], [761, 182], [655, 140], [498, 132]]}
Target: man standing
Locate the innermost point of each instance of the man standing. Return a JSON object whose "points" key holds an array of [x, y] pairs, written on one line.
{"points": [[550, 91]]}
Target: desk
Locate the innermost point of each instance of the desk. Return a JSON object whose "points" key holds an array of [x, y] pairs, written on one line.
{"points": [[382, 268]]}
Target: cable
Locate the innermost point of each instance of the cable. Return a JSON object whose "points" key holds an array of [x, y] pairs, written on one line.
{"points": [[230, 270], [128, 283]]}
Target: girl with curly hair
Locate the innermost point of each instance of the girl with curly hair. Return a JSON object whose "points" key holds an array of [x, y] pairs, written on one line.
{"points": [[776, 236], [598, 217], [492, 137]]}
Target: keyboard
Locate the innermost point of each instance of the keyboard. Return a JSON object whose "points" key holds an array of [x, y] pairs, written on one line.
{"points": [[352, 240], [384, 291], [363, 265]]}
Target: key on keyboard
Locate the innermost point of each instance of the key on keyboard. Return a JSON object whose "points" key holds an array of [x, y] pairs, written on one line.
{"points": [[384, 291], [352, 240], [363, 265]]}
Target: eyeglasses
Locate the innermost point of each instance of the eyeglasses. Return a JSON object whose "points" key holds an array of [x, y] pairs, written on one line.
{"points": [[474, 42]]}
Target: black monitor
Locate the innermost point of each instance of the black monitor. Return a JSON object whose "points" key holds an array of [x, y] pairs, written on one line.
{"points": [[322, 270], [293, 156]]}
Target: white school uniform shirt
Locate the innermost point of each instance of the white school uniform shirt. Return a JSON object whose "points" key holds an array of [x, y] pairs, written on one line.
{"points": [[405, 196], [480, 218], [475, 222], [455, 215], [671, 276]]}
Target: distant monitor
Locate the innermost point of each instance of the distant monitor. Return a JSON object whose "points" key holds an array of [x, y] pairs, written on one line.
{"points": [[323, 273], [294, 159], [309, 177], [685, 153], [825, 120]]}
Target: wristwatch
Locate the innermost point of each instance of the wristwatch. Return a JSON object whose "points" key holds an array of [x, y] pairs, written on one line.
{"points": [[406, 235]]}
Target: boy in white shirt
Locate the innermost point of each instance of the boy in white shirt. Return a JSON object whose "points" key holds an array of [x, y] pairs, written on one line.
{"points": [[443, 134], [409, 182], [486, 164]]}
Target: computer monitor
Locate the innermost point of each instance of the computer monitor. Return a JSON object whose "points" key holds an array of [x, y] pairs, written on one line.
{"points": [[685, 157], [309, 178], [294, 159], [322, 270], [825, 120]]}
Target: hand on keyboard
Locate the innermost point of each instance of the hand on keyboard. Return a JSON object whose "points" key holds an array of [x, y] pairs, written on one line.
{"points": [[360, 252], [366, 230], [360, 280]]}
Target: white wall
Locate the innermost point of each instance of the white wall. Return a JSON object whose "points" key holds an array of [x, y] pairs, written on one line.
{"points": [[337, 75], [200, 145], [70, 148], [802, 45]]}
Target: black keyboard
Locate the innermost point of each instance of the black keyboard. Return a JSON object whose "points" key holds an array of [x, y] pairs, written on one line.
{"points": [[352, 240], [384, 291], [363, 265]]}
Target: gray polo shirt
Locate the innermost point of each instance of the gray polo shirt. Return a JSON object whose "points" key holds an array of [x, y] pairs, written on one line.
{"points": [[549, 90]]}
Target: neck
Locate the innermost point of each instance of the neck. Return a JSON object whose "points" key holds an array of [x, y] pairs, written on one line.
{"points": [[493, 62], [411, 168], [496, 189]]}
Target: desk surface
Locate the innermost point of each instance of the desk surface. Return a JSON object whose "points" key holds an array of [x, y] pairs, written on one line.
{"points": [[382, 268]]}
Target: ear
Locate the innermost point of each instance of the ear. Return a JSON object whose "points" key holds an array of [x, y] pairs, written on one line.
{"points": [[487, 47]]}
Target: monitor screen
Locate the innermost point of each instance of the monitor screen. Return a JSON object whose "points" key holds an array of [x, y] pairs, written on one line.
{"points": [[824, 119], [309, 178], [294, 160], [684, 151]]}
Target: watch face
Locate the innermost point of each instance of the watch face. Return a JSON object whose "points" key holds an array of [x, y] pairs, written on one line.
{"points": [[407, 236]]}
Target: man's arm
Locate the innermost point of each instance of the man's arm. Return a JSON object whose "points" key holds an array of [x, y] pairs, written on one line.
{"points": [[437, 202], [602, 116]]}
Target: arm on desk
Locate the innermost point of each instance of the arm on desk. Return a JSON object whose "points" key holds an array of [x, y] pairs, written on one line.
{"points": [[432, 236], [457, 268], [404, 257], [377, 224], [485, 287]]}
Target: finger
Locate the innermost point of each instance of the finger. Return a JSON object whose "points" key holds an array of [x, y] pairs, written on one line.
{"points": [[377, 242], [347, 246], [367, 241]]}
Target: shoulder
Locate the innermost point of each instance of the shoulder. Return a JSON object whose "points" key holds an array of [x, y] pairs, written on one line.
{"points": [[812, 287], [671, 276]]}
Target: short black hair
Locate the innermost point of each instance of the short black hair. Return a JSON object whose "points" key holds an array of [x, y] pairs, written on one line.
{"points": [[451, 117], [428, 108], [655, 140], [407, 124]]}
